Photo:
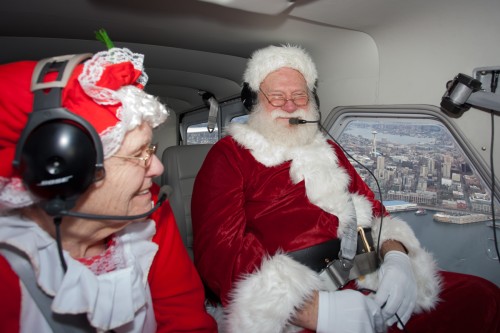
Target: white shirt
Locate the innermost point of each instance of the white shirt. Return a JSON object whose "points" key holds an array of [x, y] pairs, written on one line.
{"points": [[118, 300]]}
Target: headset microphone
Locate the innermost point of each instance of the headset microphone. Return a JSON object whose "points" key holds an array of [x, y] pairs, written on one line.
{"points": [[298, 121], [165, 192]]}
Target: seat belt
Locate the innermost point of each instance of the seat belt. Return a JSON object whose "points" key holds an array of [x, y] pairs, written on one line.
{"points": [[213, 105], [59, 323], [349, 266]]}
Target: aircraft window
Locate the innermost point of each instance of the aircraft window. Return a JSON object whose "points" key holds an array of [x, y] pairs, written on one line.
{"points": [[417, 162], [240, 119], [426, 179], [198, 133]]}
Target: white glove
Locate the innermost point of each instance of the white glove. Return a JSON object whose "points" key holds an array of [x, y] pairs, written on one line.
{"points": [[348, 311], [397, 292]]}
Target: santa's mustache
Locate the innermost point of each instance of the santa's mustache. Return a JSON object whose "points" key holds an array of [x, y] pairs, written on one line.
{"points": [[300, 113]]}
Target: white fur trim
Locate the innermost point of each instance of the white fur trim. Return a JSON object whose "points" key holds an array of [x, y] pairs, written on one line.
{"points": [[265, 300], [272, 58], [262, 150]]}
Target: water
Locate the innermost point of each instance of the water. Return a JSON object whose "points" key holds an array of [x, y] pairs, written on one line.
{"points": [[393, 138], [464, 248]]}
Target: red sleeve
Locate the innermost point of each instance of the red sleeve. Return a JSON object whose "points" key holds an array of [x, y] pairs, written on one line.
{"points": [[224, 249], [176, 288], [11, 296]]}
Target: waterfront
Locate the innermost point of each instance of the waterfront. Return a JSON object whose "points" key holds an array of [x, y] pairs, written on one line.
{"points": [[465, 248]]}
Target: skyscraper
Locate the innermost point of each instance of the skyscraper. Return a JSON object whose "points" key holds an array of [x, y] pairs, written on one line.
{"points": [[374, 148]]}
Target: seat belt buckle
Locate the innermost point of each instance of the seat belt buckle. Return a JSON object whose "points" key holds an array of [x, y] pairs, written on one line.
{"points": [[340, 271], [336, 274]]}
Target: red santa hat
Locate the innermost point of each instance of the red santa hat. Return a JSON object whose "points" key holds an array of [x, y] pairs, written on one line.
{"points": [[106, 90], [272, 58]]}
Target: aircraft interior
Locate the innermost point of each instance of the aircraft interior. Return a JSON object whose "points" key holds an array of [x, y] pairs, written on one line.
{"points": [[408, 88]]}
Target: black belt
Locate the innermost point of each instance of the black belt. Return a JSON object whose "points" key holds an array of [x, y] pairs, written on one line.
{"points": [[317, 257]]}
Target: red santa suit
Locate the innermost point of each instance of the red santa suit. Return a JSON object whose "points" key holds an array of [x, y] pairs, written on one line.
{"points": [[254, 201], [157, 290]]}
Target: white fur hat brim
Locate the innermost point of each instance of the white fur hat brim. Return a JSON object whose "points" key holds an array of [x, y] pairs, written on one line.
{"points": [[272, 58]]}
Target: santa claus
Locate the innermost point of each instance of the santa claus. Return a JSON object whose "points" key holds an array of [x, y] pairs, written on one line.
{"points": [[278, 216]]}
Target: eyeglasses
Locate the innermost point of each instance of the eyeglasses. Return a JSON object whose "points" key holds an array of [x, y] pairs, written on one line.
{"points": [[278, 101], [147, 158]]}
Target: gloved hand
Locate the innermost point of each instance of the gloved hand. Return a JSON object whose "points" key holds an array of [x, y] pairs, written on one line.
{"points": [[397, 292], [348, 311]]}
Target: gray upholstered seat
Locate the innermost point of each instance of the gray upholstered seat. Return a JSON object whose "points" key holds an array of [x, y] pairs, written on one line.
{"points": [[181, 166]]}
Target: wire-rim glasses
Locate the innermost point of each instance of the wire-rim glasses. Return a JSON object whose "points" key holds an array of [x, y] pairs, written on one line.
{"points": [[146, 159], [278, 101]]}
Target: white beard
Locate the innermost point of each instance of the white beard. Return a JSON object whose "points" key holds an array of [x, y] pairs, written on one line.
{"points": [[284, 135]]}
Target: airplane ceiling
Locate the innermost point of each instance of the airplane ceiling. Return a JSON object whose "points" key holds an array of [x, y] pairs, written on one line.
{"points": [[190, 45]]}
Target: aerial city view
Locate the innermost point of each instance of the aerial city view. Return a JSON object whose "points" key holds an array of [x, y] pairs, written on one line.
{"points": [[419, 167]]}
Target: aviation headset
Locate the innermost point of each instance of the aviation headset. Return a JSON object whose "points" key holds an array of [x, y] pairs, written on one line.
{"points": [[249, 98], [59, 154]]}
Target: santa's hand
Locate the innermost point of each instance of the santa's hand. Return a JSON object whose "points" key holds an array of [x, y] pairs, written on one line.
{"points": [[397, 292], [348, 311]]}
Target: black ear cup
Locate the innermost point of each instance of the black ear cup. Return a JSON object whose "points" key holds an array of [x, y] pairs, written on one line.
{"points": [[59, 154], [58, 160], [316, 98], [248, 97]]}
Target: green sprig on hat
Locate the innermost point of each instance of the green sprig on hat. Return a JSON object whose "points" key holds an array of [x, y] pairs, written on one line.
{"points": [[102, 35]]}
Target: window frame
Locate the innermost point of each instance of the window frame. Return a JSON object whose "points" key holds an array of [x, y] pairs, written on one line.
{"points": [[228, 110]]}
